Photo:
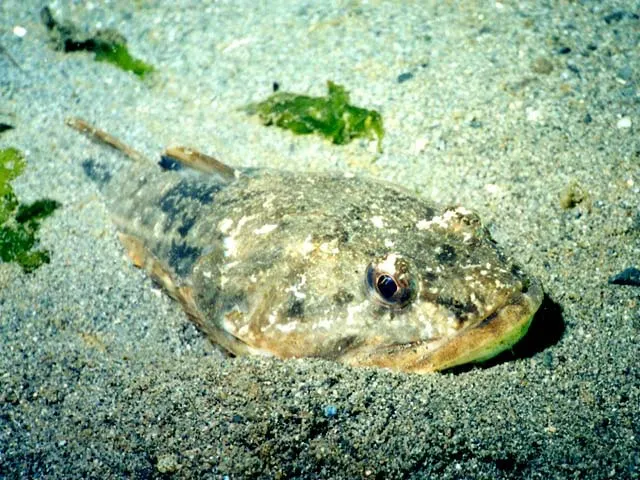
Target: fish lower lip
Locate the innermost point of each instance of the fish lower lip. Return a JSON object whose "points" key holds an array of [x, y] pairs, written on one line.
{"points": [[495, 334]]}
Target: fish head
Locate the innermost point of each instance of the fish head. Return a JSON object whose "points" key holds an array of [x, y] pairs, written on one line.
{"points": [[446, 294], [400, 285]]}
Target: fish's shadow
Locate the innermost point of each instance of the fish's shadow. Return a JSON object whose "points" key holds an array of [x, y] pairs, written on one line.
{"points": [[547, 328]]}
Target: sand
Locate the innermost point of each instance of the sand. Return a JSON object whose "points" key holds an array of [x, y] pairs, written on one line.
{"points": [[500, 107]]}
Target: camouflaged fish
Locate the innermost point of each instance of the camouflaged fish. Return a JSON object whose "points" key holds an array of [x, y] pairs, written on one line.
{"points": [[325, 265]]}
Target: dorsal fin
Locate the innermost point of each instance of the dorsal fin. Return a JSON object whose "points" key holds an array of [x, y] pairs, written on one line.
{"points": [[94, 133], [187, 157], [192, 158]]}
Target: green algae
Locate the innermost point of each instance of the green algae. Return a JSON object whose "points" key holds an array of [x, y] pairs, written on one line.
{"points": [[118, 55], [331, 116], [108, 45], [11, 165], [19, 223]]}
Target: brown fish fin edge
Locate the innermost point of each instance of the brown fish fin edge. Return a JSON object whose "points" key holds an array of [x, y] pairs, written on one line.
{"points": [[201, 162], [100, 136], [143, 258]]}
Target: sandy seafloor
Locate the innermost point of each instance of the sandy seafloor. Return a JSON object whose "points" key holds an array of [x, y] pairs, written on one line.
{"points": [[507, 104]]}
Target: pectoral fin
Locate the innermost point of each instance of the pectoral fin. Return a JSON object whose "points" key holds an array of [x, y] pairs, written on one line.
{"points": [[162, 275]]}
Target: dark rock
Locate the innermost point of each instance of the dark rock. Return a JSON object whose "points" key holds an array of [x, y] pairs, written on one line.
{"points": [[629, 276], [403, 77], [619, 15]]}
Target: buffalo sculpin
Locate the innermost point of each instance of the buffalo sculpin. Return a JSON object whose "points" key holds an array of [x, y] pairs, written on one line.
{"points": [[325, 265]]}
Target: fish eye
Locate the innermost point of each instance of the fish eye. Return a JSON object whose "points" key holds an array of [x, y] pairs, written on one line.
{"points": [[386, 286], [390, 282]]}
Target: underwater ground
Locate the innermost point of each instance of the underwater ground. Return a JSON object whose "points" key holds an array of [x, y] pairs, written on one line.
{"points": [[527, 112]]}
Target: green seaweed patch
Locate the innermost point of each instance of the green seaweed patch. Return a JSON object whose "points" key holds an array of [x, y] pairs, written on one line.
{"points": [[108, 45], [330, 116], [19, 223], [118, 55]]}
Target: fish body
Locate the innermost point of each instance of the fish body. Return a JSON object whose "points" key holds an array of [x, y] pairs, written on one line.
{"points": [[327, 265]]}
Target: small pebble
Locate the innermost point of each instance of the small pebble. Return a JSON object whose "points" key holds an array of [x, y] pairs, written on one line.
{"points": [[533, 115], [619, 15], [624, 122], [19, 31], [168, 464], [573, 195], [236, 419], [330, 411], [403, 77]]}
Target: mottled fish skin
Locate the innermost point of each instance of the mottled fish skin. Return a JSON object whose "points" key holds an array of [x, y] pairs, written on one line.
{"points": [[294, 265]]}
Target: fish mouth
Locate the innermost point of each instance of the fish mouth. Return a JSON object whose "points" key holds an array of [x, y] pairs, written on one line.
{"points": [[496, 333]]}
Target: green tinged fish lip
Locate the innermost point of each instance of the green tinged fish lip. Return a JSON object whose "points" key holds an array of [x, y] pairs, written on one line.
{"points": [[495, 334], [478, 343]]}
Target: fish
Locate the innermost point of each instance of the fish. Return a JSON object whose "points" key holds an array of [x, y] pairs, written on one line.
{"points": [[328, 265]]}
